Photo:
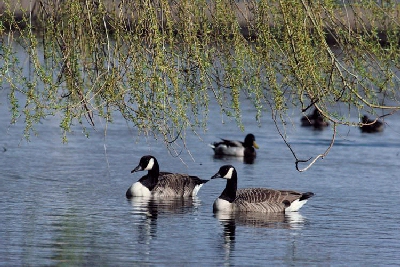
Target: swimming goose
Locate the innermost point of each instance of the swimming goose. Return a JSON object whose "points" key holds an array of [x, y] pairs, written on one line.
{"points": [[162, 184], [236, 148], [372, 125], [315, 120], [255, 199]]}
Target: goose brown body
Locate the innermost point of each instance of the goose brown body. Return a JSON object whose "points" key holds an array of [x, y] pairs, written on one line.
{"points": [[255, 199], [176, 184], [162, 184], [266, 200]]}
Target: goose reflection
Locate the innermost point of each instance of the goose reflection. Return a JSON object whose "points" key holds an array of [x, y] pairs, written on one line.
{"points": [[288, 220], [151, 206], [230, 220], [148, 209]]}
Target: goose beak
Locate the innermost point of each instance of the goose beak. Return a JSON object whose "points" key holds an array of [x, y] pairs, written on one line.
{"points": [[217, 175], [138, 168], [255, 144]]}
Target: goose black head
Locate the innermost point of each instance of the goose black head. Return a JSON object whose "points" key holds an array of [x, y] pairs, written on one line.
{"points": [[225, 172], [146, 163]]}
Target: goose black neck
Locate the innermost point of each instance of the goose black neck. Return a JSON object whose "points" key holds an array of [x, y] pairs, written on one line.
{"points": [[229, 192], [154, 172], [151, 179]]}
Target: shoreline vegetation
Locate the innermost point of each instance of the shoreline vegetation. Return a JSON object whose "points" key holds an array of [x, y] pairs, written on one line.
{"points": [[159, 63]]}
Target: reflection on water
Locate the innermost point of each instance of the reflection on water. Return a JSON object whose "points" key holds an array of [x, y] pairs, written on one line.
{"points": [[64, 204], [289, 220], [245, 160], [151, 207], [231, 220], [70, 236], [148, 209]]}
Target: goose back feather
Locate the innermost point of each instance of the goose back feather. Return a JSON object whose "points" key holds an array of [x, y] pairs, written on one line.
{"points": [[176, 184], [269, 200]]}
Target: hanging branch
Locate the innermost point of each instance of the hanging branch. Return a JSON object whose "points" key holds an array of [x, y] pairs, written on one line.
{"points": [[297, 160], [146, 59]]}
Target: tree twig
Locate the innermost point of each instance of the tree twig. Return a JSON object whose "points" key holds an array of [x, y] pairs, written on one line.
{"points": [[297, 160]]}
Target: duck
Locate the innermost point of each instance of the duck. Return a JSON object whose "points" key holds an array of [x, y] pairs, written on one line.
{"points": [[315, 119], [236, 148], [255, 199], [371, 126], [162, 184]]}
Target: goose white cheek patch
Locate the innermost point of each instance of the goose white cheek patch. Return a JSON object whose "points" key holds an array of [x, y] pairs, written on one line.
{"points": [[150, 165], [228, 175]]}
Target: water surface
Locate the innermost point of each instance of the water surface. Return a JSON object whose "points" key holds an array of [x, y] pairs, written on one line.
{"points": [[64, 204]]}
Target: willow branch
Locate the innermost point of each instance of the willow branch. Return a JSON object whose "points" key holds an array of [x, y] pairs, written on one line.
{"points": [[297, 160]]}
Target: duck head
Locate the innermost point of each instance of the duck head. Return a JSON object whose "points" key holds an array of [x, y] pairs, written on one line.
{"points": [[250, 141]]}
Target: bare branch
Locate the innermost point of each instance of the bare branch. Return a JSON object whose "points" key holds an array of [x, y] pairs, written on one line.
{"points": [[297, 160]]}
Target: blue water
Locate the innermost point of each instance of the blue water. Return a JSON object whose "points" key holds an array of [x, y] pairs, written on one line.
{"points": [[64, 204]]}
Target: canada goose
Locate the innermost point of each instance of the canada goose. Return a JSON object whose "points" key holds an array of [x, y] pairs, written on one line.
{"points": [[236, 148], [371, 126], [315, 120], [162, 184], [255, 199]]}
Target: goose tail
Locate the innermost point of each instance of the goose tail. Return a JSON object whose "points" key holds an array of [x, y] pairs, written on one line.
{"points": [[306, 195], [197, 187], [298, 203], [204, 181], [197, 180]]}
